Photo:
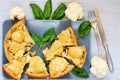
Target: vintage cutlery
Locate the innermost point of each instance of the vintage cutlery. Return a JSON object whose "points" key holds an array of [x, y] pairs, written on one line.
{"points": [[104, 41]]}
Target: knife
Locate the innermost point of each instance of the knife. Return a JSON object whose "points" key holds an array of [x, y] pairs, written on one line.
{"points": [[104, 41]]}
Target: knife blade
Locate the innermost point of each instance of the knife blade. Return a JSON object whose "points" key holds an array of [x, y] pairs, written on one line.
{"points": [[104, 41]]}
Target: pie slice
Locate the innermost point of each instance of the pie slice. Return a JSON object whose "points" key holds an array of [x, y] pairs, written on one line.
{"points": [[37, 68], [67, 37], [59, 67], [14, 69], [77, 54], [56, 49], [17, 40]]}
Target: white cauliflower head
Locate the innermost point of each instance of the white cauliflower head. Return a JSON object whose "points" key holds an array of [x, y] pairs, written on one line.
{"points": [[17, 12], [99, 67], [74, 11]]}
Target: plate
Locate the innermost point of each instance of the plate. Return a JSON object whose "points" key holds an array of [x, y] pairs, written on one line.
{"points": [[39, 27]]}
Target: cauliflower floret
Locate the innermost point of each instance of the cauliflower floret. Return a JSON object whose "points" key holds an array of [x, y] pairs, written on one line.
{"points": [[19, 54], [58, 65], [74, 11], [57, 48], [17, 12], [28, 59], [47, 54], [75, 52], [18, 36], [14, 47], [99, 67]]}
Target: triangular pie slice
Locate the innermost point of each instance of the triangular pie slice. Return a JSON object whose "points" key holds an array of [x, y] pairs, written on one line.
{"points": [[56, 49], [67, 37], [59, 67], [37, 68], [14, 69], [17, 39], [77, 54]]}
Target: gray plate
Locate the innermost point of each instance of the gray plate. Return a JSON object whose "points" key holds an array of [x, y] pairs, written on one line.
{"points": [[39, 26]]}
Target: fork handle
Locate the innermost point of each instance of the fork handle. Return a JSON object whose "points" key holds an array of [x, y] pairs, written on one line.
{"points": [[97, 40]]}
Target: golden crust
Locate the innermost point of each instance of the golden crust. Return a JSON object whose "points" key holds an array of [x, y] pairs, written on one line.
{"points": [[68, 69], [8, 36], [83, 57], [9, 72], [40, 70], [73, 36], [36, 75]]}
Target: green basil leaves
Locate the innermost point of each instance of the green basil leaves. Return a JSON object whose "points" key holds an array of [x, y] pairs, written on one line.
{"points": [[36, 38], [59, 13], [84, 29], [80, 72], [48, 9], [48, 37], [37, 12]]}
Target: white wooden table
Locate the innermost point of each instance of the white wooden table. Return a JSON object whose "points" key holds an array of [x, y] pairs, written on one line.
{"points": [[109, 14]]}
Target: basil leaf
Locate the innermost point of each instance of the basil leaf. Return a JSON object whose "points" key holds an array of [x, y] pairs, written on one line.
{"points": [[36, 38], [80, 72], [52, 38], [49, 32], [46, 38], [59, 13], [49, 35], [37, 12], [48, 9], [84, 29]]}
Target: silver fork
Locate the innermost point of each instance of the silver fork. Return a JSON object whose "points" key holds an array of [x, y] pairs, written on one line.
{"points": [[92, 19]]}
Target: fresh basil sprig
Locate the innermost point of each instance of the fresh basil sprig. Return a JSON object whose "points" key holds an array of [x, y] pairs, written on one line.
{"points": [[47, 9], [37, 12], [84, 29], [36, 38], [48, 37], [80, 72], [59, 13]]}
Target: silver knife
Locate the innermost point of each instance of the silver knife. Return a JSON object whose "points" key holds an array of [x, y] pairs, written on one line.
{"points": [[104, 41]]}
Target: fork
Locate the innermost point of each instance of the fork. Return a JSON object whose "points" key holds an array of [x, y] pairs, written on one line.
{"points": [[92, 19]]}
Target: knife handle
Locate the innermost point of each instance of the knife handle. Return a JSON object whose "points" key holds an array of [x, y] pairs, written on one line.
{"points": [[109, 59]]}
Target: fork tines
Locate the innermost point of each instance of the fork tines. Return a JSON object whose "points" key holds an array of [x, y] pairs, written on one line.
{"points": [[91, 16]]}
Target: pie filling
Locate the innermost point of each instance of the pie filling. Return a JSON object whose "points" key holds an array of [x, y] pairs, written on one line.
{"points": [[58, 65], [37, 66]]}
